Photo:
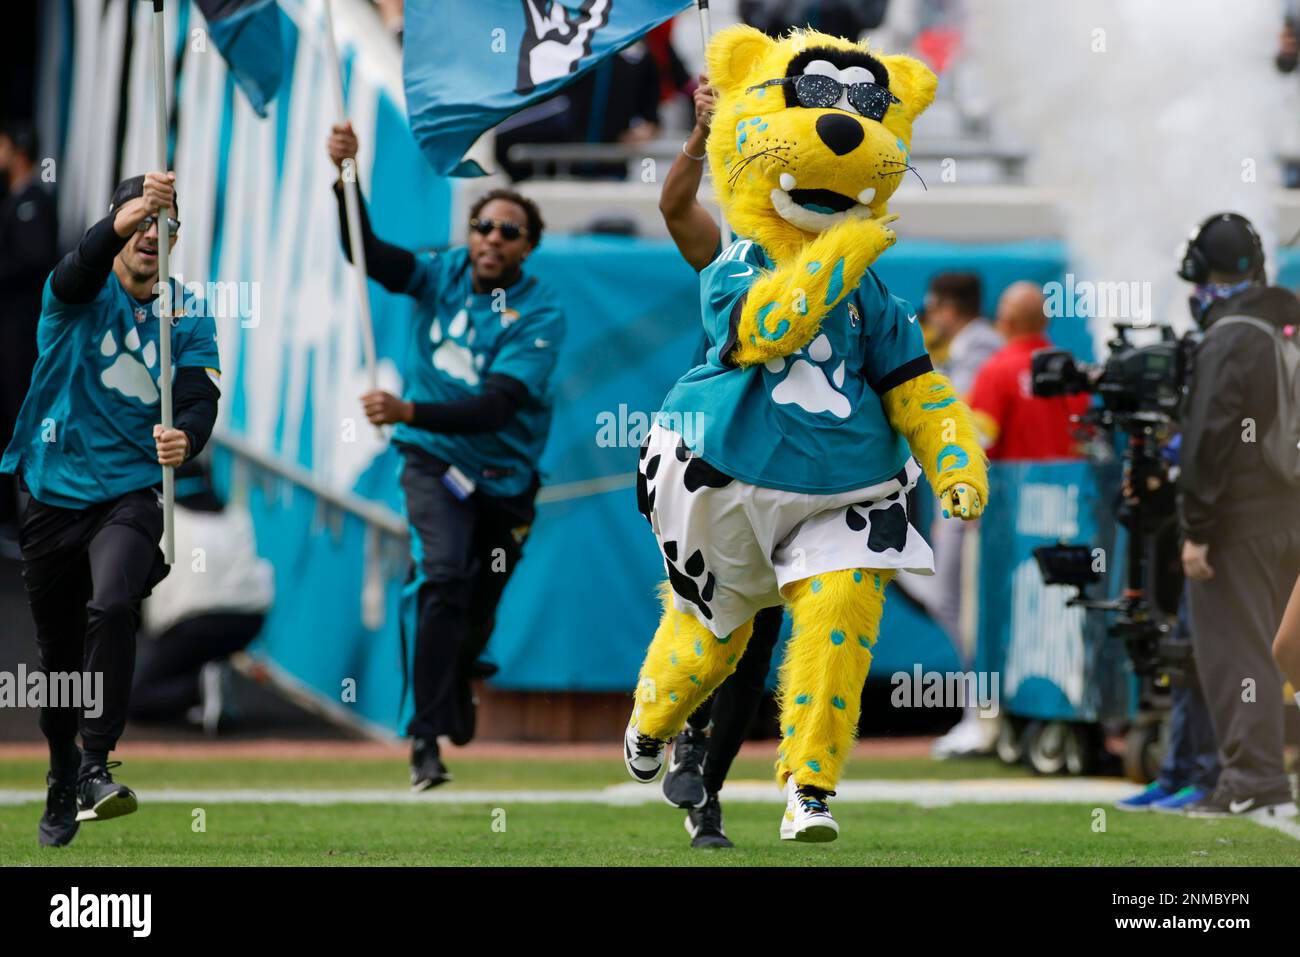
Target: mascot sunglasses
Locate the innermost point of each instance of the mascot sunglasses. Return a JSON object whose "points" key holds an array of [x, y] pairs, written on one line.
{"points": [[818, 92]]}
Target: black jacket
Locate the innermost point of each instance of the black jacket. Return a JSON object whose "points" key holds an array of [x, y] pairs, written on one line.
{"points": [[1226, 491]]}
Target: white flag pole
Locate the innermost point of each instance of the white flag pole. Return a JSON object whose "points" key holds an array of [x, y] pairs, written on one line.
{"points": [[164, 283], [352, 208], [706, 31]]}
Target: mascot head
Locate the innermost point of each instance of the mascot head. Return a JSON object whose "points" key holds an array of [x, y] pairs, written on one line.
{"points": [[808, 131]]}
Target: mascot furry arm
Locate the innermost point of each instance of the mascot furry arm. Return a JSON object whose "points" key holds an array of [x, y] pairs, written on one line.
{"points": [[786, 305]]}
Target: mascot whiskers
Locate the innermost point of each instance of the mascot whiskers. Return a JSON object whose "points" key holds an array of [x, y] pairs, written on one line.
{"points": [[814, 414]]}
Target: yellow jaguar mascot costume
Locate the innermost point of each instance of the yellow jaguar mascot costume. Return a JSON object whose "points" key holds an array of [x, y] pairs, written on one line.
{"points": [[778, 470]]}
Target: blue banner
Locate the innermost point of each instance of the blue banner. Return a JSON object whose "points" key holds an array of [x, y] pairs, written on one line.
{"points": [[1056, 662], [247, 33], [466, 71]]}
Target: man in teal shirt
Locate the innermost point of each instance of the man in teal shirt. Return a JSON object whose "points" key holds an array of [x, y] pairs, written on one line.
{"points": [[87, 448], [471, 426]]}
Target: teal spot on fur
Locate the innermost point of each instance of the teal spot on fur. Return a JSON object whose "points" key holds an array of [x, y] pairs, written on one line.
{"points": [[755, 121], [938, 387], [724, 639], [877, 583], [813, 267], [803, 699], [958, 455], [761, 91], [837, 637], [761, 128], [695, 678], [838, 702], [699, 648], [781, 327], [815, 765], [836, 284], [941, 404], [832, 750], [816, 585], [857, 577], [862, 640], [789, 732], [740, 141], [731, 660], [672, 696], [672, 657]]}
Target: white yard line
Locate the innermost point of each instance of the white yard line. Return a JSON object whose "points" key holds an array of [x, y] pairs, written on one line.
{"points": [[1097, 792]]}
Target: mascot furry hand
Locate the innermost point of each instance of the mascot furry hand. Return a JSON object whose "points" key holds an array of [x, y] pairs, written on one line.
{"points": [[778, 470]]}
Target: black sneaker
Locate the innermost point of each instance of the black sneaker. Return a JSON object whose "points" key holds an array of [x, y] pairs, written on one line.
{"points": [[466, 712], [1219, 804], [704, 824], [684, 782], [427, 769], [59, 823], [99, 797]]}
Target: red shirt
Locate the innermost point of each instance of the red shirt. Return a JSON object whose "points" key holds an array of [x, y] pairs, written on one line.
{"points": [[1026, 427]]}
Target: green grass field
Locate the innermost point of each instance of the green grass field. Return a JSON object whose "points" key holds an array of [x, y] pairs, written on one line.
{"points": [[598, 834]]}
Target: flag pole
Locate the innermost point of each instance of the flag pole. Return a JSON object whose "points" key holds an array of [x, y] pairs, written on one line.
{"points": [[164, 283], [352, 208], [706, 31]]}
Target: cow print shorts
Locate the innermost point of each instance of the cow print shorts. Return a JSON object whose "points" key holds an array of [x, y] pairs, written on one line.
{"points": [[729, 547]]}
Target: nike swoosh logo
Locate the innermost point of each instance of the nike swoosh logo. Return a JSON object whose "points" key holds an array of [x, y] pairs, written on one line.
{"points": [[912, 318], [749, 271], [1240, 807]]}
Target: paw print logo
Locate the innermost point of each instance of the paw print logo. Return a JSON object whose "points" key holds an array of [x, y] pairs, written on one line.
{"points": [[884, 520], [126, 373], [453, 357], [686, 580], [806, 383]]}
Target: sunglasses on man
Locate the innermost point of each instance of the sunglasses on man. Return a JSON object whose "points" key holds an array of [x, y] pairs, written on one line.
{"points": [[509, 231], [817, 92], [144, 224]]}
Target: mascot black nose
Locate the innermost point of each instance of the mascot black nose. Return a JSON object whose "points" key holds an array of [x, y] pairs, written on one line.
{"points": [[840, 132]]}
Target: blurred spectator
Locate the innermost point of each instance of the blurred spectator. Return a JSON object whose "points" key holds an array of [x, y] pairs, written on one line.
{"points": [[1288, 54], [1016, 424], [211, 605], [952, 315], [840, 18], [952, 307], [1286, 646], [28, 251], [616, 102], [674, 78]]}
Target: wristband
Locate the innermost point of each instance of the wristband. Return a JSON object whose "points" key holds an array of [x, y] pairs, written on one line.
{"points": [[691, 156]]}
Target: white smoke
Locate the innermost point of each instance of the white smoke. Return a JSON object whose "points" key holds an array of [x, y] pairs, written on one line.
{"points": [[1146, 116]]}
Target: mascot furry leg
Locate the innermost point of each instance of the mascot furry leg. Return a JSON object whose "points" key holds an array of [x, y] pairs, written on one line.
{"points": [[836, 622], [682, 667]]}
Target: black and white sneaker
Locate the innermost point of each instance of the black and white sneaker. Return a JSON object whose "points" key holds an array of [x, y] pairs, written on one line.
{"points": [[704, 824], [1218, 804], [100, 798], [427, 769], [643, 755], [59, 823], [684, 782]]}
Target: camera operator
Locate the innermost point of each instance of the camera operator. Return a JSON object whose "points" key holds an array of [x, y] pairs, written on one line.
{"points": [[1240, 521]]}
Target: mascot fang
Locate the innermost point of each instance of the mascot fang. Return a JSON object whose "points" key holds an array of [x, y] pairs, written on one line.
{"points": [[817, 409]]}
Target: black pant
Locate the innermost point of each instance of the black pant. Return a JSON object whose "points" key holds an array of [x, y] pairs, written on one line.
{"points": [[464, 553], [732, 707], [1235, 616], [167, 670], [86, 571]]}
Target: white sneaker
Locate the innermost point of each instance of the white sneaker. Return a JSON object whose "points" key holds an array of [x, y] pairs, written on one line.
{"points": [[643, 755], [970, 737], [807, 815]]}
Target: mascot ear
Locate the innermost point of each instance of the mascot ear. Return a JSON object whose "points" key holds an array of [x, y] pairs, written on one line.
{"points": [[912, 82], [733, 54]]}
